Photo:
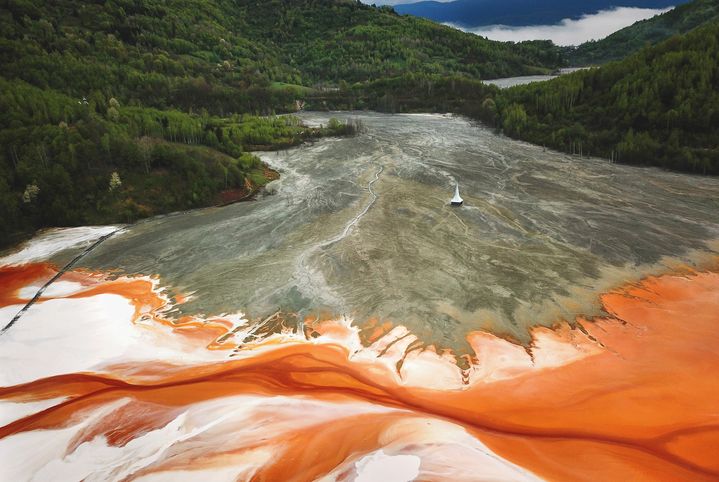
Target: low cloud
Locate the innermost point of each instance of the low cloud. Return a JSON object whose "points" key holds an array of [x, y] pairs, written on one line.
{"points": [[397, 2], [570, 32]]}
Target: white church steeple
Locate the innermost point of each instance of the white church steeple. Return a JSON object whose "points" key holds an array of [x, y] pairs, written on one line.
{"points": [[457, 199]]}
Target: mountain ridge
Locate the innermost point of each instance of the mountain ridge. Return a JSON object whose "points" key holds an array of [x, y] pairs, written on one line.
{"points": [[118, 110], [626, 41], [517, 13], [657, 107]]}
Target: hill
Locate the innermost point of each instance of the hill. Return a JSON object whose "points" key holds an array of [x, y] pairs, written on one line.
{"points": [[225, 55], [624, 42], [121, 109], [658, 107], [518, 13]]}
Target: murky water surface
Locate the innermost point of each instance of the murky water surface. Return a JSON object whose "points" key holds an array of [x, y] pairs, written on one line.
{"points": [[513, 81], [362, 226]]}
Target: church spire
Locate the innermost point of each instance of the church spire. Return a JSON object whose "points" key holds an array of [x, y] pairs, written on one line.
{"points": [[457, 199]]}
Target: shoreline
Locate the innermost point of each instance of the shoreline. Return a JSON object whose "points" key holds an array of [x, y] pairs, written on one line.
{"points": [[590, 384], [226, 197]]}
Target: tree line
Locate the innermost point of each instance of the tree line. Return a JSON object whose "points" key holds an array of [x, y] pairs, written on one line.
{"points": [[70, 161], [658, 107], [118, 109]]}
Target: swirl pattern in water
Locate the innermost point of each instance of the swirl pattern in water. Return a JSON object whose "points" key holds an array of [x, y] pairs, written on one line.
{"points": [[351, 325]]}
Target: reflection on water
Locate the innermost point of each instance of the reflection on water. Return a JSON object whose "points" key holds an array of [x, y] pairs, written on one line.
{"points": [[540, 235]]}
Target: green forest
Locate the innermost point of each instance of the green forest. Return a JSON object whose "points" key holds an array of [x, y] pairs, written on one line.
{"points": [[659, 107], [121, 109], [629, 40], [70, 161], [238, 56], [116, 110]]}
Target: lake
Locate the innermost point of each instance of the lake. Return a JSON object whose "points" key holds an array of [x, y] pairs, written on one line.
{"points": [[508, 82], [350, 324], [539, 236]]}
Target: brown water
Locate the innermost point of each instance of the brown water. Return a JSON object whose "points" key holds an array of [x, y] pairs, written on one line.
{"points": [[361, 226], [101, 379]]}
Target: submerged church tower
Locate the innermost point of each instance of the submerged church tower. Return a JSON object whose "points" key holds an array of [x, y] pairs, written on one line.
{"points": [[457, 199]]}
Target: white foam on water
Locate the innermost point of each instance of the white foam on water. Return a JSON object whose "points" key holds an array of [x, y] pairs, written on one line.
{"points": [[220, 474], [12, 411], [429, 449], [24, 455], [388, 468], [66, 336], [7, 313], [96, 333], [70, 335], [52, 241], [228, 428], [58, 288]]}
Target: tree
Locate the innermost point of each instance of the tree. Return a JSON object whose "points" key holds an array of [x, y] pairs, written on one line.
{"points": [[515, 119], [115, 182], [145, 145]]}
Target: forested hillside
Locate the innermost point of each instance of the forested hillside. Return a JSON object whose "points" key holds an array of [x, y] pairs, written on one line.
{"points": [[236, 56], [629, 40], [351, 42], [659, 107], [70, 161], [115, 110]]}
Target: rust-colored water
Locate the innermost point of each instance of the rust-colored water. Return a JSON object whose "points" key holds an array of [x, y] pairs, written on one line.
{"points": [[629, 396]]}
